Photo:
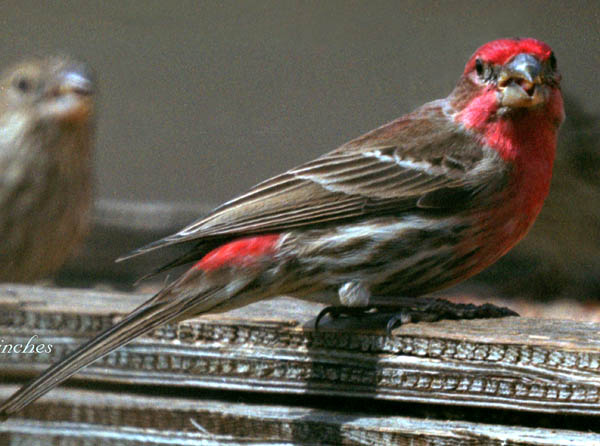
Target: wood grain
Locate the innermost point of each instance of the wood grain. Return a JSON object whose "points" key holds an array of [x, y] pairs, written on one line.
{"points": [[75, 417], [542, 366]]}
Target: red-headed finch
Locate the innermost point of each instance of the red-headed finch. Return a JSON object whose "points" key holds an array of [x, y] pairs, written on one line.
{"points": [[409, 208], [46, 109]]}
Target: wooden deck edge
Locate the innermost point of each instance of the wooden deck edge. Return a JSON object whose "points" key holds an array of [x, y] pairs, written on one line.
{"points": [[81, 416], [514, 363]]}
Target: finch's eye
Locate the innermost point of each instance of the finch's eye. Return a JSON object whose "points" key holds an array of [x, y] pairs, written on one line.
{"points": [[479, 67], [23, 84], [552, 61]]}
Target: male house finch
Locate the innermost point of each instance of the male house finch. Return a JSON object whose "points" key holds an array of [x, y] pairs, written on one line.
{"points": [[45, 165], [411, 207]]}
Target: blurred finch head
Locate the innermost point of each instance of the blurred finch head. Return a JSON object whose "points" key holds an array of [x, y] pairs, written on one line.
{"points": [[46, 109]]}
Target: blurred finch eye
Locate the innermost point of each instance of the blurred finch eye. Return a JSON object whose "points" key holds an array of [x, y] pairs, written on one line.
{"points": [[23, 84], [552, 61], [479, 67]]}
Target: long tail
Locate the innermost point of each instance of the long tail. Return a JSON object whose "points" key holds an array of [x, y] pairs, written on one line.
{"points": [[219, 276], [166, 306]]}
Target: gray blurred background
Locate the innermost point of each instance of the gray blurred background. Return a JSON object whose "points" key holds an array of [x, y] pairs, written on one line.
{"points": [[201, 100]]}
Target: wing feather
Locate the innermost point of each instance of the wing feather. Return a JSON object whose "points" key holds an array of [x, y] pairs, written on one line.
{"points": [[392, 168]]}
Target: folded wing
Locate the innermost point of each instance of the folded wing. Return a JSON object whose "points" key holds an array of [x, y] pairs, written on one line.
{"points": [[373, 174]]}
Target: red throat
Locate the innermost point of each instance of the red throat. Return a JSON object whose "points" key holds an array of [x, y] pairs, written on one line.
{"points": [[242, 252], [525, 139]]}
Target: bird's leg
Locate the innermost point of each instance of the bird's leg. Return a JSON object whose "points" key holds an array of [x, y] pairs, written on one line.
{"points": [[356, 300]]}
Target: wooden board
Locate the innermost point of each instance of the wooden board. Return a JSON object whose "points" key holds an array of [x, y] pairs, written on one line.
{"points": [[522, 364], [75, 417]]}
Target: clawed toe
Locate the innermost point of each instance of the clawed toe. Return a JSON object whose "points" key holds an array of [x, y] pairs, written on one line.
{"points": [[419, 310], [336, 311]]}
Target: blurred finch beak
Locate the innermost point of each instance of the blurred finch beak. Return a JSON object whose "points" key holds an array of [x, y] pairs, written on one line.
{"points": [[71, 100], [520, 82]]}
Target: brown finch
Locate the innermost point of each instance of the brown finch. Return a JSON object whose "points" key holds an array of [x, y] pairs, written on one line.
{"points": [[45, 165], [411, 207]]}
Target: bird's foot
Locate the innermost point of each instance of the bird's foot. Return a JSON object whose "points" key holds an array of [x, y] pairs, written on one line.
{"points": [[432, 310], [420, 309], [340, 310]]}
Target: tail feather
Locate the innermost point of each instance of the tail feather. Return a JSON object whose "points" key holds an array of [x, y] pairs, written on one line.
{"points": [[191, 255], [139, 322], [187, 258], [211, 282], [162, 308], [161, 243]]}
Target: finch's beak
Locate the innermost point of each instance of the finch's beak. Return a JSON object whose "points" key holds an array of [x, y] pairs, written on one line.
{"points": [[520, 82], [77, 80], [71, 98]]}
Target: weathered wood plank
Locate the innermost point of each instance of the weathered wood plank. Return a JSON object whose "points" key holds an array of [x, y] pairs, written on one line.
{"points": [[75, 417], [514, 363]]}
